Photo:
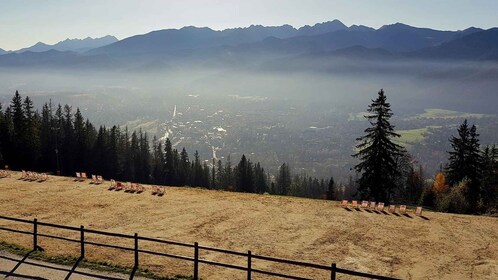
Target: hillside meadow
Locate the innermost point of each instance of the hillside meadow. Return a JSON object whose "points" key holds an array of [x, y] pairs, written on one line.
{"points": [[438, 246]]}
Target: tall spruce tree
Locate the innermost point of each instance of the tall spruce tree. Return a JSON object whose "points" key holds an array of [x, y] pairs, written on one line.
{"points": [[378, 153], [465, 161]]}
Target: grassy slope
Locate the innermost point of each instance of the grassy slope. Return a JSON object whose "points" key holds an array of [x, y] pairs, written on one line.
{"points": [[446, 246]]}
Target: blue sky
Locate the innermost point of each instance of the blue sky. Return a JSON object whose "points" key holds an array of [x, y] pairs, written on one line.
{"points": [[25, 22]]}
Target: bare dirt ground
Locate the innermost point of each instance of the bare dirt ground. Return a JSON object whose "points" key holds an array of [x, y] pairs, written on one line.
{"points": [[442, 246]]}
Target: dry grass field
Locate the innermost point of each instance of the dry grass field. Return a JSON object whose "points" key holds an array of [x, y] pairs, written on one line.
{"points": [[443, 246]]}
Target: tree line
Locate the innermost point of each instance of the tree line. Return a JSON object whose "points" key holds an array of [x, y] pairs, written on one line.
{"points": [[62, 141]]}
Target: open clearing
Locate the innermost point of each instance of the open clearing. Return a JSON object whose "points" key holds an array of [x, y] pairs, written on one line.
{"points": [[445, 246]]}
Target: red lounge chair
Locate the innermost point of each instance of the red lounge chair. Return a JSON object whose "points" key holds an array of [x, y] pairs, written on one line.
{"points": [[392, 208], [119, 186], [344, 203], [354, 204]]}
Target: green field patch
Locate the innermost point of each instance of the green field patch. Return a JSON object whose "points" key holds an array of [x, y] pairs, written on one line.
{"points": [[433, 113], [414, 136]]}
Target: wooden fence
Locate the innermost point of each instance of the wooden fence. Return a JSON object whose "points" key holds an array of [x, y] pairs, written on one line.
{"points": [[333, 269]]}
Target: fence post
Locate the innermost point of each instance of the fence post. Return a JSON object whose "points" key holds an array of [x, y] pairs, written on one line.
{"points": [[249, 265], [35, 234], [82, 242], [196, 261], [332, 272], [136, 250]]}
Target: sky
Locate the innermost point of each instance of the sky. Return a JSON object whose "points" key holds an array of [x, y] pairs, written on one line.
{"points": [[26, 22]]}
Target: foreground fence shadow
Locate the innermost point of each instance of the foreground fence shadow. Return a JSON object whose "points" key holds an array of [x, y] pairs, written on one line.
{"points": [[195, 260]]}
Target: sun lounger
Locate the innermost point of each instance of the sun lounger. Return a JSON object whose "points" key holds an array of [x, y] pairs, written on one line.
{"points": [[161, 191], [392, 208], [94, 179], [24, 175], [380, 206], [364, 204], [402, 209], [344, 203], [78, 176], [418, 211], [372, 205], [100, 180], [155, 190], [83, 176], [42, 177], [113, 185], [139, 188], [119, 186], [354, 204]]}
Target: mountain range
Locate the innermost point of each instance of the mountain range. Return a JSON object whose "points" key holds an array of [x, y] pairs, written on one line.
{"points": [[75, 45], [164, 48]]}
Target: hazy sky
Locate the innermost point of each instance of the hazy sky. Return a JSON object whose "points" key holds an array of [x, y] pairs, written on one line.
{"points": [[25, 22]]}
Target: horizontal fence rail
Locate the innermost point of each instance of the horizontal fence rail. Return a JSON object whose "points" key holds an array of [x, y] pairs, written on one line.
{"points": [[333, 269]]}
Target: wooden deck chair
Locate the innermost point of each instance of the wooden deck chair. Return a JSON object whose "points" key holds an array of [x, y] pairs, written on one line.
{"points": [[402, 209], [78, 176], [418, 211], [344, 203], [3, 174], [372, 205], [42, 177], [113, 185], [83, 176], [119, 186], [354, 204], [155, 190], [94, 179], [130, 187], [100, 180], [24, 175], [380, 206], [364, 204], [392, 208], [161, 191], [139, 188]]}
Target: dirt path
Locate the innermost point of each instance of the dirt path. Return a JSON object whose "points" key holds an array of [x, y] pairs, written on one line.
{"points": [[34, 269]]}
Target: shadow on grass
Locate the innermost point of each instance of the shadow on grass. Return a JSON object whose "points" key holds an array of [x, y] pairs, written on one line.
{"points": [[407, 215], [347, 209], [425, 218]]}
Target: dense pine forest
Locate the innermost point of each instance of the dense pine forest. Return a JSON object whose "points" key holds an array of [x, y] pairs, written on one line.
{"points": [[59, 140]]}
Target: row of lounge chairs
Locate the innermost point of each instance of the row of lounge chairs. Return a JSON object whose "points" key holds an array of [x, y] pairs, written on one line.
{"points": [[372, 205], [4, 173], [134, 188], [126, 187], [96, 179], [33, 176]]}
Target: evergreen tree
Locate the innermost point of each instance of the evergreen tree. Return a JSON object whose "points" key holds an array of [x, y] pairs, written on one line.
{"points": [[331, 194], [283, 180], [378, 153], [465, 162]]}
